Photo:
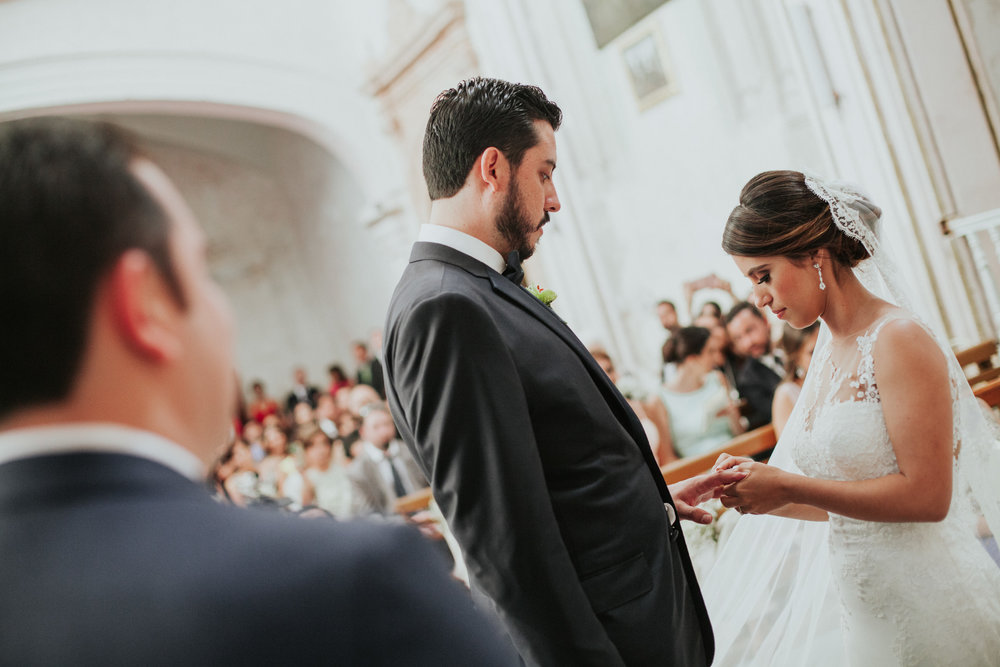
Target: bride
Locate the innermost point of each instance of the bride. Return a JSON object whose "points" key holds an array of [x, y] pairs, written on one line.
{"points": [[876, 468]]}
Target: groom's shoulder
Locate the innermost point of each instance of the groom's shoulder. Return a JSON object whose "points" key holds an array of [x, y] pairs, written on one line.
{"points": [[431, 278]]}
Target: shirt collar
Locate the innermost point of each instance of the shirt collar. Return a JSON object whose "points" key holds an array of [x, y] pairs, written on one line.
{"points": [[98, 437], [465, 244]]}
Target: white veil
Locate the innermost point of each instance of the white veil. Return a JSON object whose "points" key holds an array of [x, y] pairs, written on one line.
{"points": [[770, 594]]}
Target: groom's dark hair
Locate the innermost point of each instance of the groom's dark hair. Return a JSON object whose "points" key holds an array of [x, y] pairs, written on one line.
{"points": [[70, 206], [477, 114]]}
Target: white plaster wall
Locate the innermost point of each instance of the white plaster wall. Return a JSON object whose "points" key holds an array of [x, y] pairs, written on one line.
{"points": [[285, 240], [295, 64], [646, 194]]}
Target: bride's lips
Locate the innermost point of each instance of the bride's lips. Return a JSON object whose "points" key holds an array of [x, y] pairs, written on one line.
{"points": [[780, 313]]}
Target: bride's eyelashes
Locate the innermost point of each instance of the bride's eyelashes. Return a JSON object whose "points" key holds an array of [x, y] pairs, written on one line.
{"points": [[765, 278]]}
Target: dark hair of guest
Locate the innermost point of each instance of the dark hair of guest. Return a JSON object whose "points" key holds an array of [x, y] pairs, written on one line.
{"points": [[477, 114], [70, 206], [739, 307], [779, 215], [686, 342]]}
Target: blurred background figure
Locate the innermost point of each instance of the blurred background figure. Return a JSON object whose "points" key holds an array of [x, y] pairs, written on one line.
{"points": [[302, 391], [760, 370], [701, 412], [326, 473], [261, 405], [338, 379], [797, 346], [369, 369], [383, 469]]}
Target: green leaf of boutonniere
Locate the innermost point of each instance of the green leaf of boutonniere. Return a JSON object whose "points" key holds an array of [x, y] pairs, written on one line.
{"points": [[546, 296]]}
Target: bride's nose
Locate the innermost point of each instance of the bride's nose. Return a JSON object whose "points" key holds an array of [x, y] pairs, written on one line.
{"points": [[760, 297]]}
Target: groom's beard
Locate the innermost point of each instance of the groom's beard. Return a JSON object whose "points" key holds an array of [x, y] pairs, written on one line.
{"points": [[515, 226]]}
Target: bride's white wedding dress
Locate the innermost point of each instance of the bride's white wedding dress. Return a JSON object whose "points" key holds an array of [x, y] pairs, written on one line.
{"points": [[910, 593]]}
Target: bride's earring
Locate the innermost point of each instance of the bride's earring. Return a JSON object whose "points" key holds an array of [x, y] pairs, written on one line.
{"points": [[819, 269]]}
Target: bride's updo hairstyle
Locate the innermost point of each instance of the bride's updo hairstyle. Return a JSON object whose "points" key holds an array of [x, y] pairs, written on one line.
{"points": [[780, 216]]}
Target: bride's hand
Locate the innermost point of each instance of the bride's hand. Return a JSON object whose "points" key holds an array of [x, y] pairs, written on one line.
{"points": [[726, 461], [760, 492]]}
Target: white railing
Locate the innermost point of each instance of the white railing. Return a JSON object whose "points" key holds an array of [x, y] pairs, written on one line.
{"points": [[976, 241]]}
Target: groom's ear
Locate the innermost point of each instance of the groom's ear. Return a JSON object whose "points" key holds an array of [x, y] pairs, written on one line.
{"points": [[493, 170]]}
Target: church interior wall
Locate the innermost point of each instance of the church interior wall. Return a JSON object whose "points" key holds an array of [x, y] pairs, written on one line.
{"points": [[302, 121]]}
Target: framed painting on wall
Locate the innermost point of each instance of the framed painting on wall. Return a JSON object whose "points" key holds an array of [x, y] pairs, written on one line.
{"points": [[647, 68]]}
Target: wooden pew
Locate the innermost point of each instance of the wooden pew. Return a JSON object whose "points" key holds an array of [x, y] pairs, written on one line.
{"points": [[982, 356], [989, 392], [415, 502], [748, 444]]}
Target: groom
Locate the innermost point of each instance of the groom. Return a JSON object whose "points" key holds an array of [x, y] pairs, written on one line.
{"points": [[543, 472]]}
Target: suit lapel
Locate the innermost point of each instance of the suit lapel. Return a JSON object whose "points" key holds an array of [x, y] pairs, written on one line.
{"points": [[623, 411]]}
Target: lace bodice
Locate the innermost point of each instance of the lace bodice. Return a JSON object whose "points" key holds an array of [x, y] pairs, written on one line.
{"points": [[844, 432]]}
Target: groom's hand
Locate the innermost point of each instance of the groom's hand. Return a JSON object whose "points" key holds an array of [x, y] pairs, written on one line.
{"points": [[689, 493]]}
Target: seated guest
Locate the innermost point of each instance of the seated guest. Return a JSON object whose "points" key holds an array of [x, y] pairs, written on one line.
{"points": [[326, 473], [710, 309], [275, 442], [666, 311], [302, 391], [338, 379], [369, 369], [116, 391], [797, 346], [383, 470], [702, 415], [239, 483], [761, 370], [261, 405], [253, 435], [326, 415]]}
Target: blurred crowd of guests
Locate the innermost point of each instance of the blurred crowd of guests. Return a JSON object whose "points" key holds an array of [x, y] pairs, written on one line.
{"points": [[330, 450], [335, 450], [723, 374]]}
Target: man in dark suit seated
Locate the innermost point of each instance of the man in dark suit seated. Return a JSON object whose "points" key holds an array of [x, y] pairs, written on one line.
{"points": [[117, 355], [541, 468], [302, 391], [384, 470], [760, 371]]}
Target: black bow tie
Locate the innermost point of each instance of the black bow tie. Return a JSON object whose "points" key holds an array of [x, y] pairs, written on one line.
{"points": [[514, 272]]}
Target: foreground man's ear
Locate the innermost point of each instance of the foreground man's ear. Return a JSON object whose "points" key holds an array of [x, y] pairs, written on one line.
{"points": [[146, 313]]}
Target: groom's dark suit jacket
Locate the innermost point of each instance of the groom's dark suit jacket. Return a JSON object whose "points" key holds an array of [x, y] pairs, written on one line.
{"points": [[108, 559], [542, 470]]}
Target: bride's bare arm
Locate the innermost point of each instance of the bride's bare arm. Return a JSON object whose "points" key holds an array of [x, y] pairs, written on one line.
{"points": [[913, 383]]}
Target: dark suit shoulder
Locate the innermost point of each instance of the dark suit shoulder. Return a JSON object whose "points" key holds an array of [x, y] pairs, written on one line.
{"points": [[155, 572]]}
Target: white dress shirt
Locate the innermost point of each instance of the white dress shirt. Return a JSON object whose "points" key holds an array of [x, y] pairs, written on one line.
{"points": [[104, 438], [465, 244]]}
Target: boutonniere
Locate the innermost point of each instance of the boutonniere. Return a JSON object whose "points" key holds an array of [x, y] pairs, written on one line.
{"points": [[546, 296]]}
